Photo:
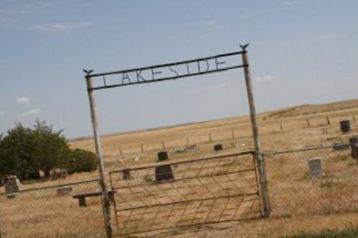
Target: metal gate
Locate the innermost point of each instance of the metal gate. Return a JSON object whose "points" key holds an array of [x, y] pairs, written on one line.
{"points": [[166, 196]]}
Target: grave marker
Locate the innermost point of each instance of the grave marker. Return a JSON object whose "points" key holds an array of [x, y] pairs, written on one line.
{"points": [[11, 186], [315, 167], [345, 126]]}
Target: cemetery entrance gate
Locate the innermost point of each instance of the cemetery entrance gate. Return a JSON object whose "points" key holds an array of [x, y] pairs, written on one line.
{"points": [[191, 176]]}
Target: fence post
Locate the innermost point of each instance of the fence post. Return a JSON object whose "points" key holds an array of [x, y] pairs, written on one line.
{"points": [[98, 147], [163, 144], [233, 134], [187, 141], [210, 138], [142, 147], [308, 122], [264, 195]]}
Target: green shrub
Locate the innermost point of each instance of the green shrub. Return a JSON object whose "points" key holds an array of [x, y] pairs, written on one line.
{"points": [[82, 161]]}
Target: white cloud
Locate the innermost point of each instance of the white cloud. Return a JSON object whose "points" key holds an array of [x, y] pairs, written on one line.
{"points": [[292, 2], [11, 15], [2, 113], [23, 100], [60, 27], [31, 112], [209, 24], [264, 78]]}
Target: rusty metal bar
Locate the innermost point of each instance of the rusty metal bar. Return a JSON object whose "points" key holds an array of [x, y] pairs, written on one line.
{"points": [[166, 65], [166, 78], [53, 186], [193, 225], [186, 161], [193, 177], [188, 201]]}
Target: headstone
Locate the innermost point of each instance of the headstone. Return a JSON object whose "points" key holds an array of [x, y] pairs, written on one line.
{"points": [[340, 146], [126, 174], [162, 155], [111, 196], [11, 186], [345, 126], [163, 172], [82, 201], [315, 167], [353, 142], [354, 152], [218, 147], [59, 174], [64, 191]]}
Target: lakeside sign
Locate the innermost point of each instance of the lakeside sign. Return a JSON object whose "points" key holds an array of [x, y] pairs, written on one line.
{"points": [[170, 71]]}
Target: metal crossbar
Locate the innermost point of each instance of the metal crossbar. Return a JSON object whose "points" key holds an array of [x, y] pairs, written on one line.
{"points": [[190, 193], [164, 72]]}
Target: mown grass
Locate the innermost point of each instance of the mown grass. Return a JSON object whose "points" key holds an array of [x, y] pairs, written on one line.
{"points": [[348, 233]]}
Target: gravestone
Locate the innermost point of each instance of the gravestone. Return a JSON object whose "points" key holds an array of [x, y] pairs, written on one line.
{"points": [[315, 167], [64, 191], [126, 174], [11, 186], [345, 126], [162, 155], [337, 146], [218, 147], [163, 172], [353, 142]]}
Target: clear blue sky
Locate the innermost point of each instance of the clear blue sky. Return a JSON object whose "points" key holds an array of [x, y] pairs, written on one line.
{"points": [[301, 51]]}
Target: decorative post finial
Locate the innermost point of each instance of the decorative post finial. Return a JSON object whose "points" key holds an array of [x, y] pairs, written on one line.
{"points": [[88, 72], [243, 47]]}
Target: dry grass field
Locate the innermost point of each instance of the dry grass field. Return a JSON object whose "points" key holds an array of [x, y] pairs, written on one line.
{"points": [[298, 202]]}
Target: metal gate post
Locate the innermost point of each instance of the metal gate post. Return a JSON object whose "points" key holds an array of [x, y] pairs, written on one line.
{"points": [[100, 166], [264, 196]]}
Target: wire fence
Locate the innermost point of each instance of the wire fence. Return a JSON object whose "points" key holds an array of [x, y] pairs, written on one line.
{"points": [[181, 194], [51, 211], [314, 181], [238, 137], [320, 180]]}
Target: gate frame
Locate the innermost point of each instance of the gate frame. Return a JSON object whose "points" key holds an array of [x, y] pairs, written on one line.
{"points": [[263, 186], [175, 163]]}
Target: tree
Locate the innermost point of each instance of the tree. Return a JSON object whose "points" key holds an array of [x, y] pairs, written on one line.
{"points": [[25, 152], [50, 148], [15, 154]]}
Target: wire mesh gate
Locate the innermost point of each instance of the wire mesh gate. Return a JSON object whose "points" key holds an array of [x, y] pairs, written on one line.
{"points": [[164, 196]]}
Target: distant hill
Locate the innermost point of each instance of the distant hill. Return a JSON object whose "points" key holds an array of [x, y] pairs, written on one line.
{"points": [[307, 109]]}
